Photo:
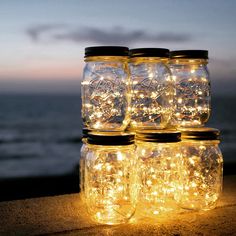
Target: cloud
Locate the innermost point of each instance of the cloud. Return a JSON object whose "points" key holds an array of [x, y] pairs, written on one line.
{"points": [[115, 35], [37, 31]]}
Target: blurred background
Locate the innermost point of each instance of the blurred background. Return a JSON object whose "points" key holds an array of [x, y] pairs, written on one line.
{"points": [[41, 61]]}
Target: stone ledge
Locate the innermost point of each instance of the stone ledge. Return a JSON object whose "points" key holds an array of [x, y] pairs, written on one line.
{"points": [[66, 215]]}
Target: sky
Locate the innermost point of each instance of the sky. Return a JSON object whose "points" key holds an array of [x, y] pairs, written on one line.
{"points": [[42, 42]]}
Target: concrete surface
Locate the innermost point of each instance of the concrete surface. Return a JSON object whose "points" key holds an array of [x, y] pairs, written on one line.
{"points": [[66, 215]]}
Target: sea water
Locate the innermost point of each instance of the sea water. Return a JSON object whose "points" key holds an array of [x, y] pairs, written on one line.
{"points": [[41, 134]]}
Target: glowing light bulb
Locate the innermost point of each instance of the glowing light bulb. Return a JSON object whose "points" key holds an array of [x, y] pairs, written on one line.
{"points": [[180, 100], [85, 82], [97, 125], [119, 156]]}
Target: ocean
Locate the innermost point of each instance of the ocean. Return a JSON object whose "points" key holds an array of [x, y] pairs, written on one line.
{"points": [[40, 135]]}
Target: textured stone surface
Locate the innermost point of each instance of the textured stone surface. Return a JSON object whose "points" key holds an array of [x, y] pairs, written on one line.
{"points": [[66, 215]]}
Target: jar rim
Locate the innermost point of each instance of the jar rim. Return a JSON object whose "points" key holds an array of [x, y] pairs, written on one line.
{"points": [[159, 136], [189, 54], [85, 132], [204, 133], [149, 52], [110, 138]]}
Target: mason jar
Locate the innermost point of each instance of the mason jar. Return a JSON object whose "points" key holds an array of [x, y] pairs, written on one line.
{"points": [[83, 153], [159, 173], [104, 88], [202, 169], [152, 90], [192, 84], [110, 178]]}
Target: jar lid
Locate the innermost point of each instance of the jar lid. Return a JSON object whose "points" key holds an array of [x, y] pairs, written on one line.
{"points": [[106, 51], [204, 133], [149, 52], [159, 136], [189, 54], [85, 132], [110, 138]]}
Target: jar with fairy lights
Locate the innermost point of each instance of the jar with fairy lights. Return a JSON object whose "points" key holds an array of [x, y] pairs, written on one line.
{"points": [[83, 152], [202, 169], [104, 88], [152, 90], [192, 84], [158, 170], [110, 178]]}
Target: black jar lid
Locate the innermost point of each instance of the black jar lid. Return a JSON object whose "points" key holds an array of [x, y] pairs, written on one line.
{"points": [[110, 138], [85, 132], [203, 133], [149, 52], [159, 136], [106, 51], [189, 54]]}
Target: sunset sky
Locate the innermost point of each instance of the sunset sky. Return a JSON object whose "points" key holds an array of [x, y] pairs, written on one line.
{"points": [[42, 42]]}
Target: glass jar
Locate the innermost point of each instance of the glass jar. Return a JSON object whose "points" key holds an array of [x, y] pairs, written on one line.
{"points": [[192, 84], [110, 178], [159, 161], [83, 153], [152, 90], [202, 169], [105, 88]]}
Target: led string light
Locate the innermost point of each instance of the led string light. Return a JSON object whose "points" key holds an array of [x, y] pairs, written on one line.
{"points": [[151, 98], [108, 102], [202, 175], [110, 184]]}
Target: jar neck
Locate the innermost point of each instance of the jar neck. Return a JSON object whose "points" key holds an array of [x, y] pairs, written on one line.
{"points": [[106, 59], [149, 60], [202, 142], [110, 147], [189, 61], [157, 142]]}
